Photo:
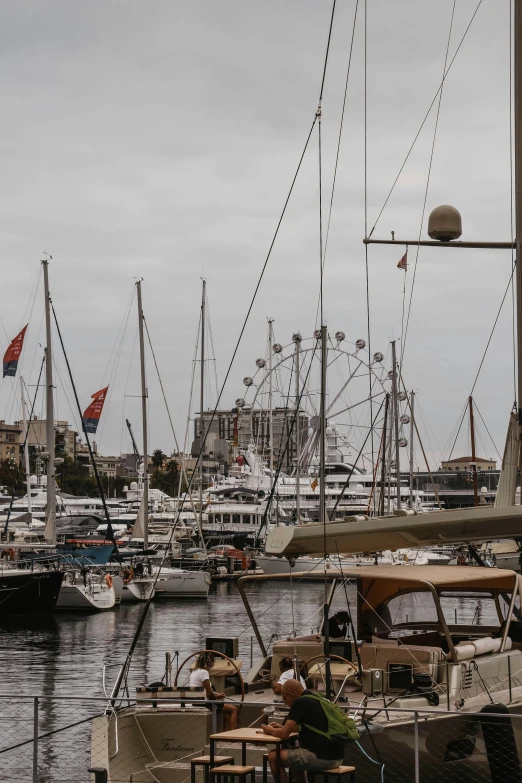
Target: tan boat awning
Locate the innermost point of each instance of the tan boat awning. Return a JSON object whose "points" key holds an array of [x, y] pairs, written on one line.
{"points": [[397, 532]]}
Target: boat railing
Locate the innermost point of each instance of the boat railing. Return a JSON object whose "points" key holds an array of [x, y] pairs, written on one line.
{"points": [[62, 737]]}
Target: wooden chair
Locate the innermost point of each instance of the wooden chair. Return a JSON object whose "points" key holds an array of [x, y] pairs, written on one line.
{"points": [[204, 761], [232, 771], [265, 770], [339, 774]]}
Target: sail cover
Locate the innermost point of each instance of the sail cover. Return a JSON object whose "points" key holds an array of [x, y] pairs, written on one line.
{"points": [[92, 414], [139, 525], [13, 353], [508, 475]]}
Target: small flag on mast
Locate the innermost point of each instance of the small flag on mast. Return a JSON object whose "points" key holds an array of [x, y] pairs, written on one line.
{"points": [[92, 414], [13, 353], [403, 263]]}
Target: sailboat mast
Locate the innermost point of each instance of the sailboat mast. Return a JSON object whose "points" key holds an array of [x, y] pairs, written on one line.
{"points": [[50, 519], [396, 426], [384, 456], [518, 194], [144, 419], [202, 403], [297, 340], [26, 445], [473, 452], [322, 430], [412, 434], [270, 400]]}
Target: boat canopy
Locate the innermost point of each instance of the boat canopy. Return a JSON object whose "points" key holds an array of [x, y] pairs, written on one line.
{"points": [[405, 529], [380, 583]]}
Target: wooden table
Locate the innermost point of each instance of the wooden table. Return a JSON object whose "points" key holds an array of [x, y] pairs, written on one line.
{"points": [[252, 736]]}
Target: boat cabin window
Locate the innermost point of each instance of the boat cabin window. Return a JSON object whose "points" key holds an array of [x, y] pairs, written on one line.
{"points": [[226, 519], [236, 519], [416, 612]]}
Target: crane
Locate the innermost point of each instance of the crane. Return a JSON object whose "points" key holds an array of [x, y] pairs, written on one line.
{"points": [[134, 445]]}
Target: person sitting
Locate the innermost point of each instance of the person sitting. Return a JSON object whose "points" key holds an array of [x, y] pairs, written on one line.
{"points": [[338, 625], [200, 678], [288, 672], [317, 751]]}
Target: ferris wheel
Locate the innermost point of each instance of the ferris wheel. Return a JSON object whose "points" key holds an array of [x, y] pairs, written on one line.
{"points": [[287, 381]]}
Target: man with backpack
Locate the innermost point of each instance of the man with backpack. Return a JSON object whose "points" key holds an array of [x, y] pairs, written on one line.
{"points": [[323, 731]]}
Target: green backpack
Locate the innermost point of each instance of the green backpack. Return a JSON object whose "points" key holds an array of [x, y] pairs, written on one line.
{"points": [[340, 726]]}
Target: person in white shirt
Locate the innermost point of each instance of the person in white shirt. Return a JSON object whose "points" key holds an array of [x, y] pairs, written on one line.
{"points": [[287, 669], [200, 678]]}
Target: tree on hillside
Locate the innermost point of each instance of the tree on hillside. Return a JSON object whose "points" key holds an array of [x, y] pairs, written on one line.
{"points": [[157, 460], [168, 479]]}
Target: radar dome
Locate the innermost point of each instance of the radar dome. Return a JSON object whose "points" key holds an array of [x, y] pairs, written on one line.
{"points": [[445, 223], [134, 485]]}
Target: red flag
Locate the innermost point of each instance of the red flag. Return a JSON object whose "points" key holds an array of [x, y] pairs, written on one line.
{"points": [[13, 353], [91, 416], [403, 263]]}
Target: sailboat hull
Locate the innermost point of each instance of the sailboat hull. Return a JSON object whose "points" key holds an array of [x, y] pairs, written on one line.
{"points": [[90, 599], [26, 592], [151, 744]]}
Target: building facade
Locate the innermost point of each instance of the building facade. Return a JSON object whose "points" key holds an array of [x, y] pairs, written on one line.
{"points": [[253, 426], [465, 463], [10, 441], [65, 437]]}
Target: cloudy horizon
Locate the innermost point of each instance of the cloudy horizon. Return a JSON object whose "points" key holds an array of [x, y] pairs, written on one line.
{"points": [[159, 141]]}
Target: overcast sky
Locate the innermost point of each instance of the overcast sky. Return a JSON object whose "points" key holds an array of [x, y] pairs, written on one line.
{"points": [[159, 139]]}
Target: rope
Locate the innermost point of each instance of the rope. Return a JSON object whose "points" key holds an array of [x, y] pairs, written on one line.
{"points": [[492, 330], [366, 266], [405, 335], [513, 307], [338, 152], [187, 425], [318, 117], [486, 428], [424, 120], [182, 460], [458, 432]]}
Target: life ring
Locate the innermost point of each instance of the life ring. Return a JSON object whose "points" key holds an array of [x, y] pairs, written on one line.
{"points": [[108, 580]]}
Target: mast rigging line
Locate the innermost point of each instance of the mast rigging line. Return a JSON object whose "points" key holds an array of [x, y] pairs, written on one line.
{"points": [[26, 319], [404, 334], [141, 622], [21, 452], [109, 535], [511, 190], [119, 351], [486, 428], [254, 296], [123, 416], [366, 265], [483, 359], [283, 453], [345, 486], [493, 329], [337, 155], [424, 121], [182, 459], [187, 424]]}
